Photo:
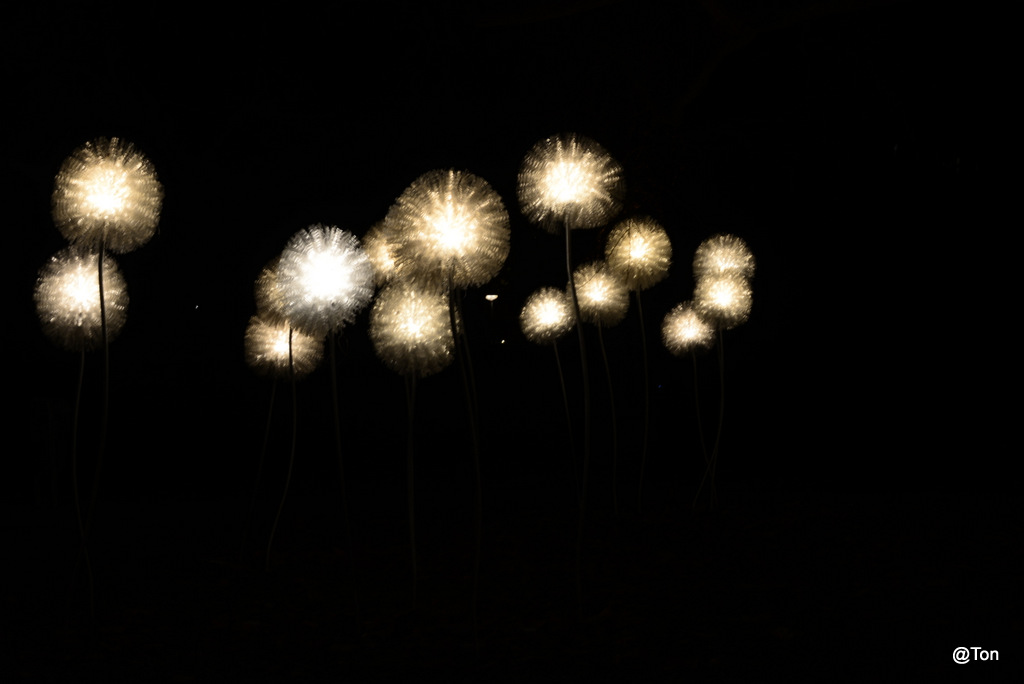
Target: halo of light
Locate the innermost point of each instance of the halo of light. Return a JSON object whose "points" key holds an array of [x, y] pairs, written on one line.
{"points": [[547, 315], [723, 254], [453, 223], [325, 279], [266, 349], [683, 330], [724, 301], [410, 329], [67, 296], [639, 250], [380, 245], [107, 193], [602, 294], [570, 179]]}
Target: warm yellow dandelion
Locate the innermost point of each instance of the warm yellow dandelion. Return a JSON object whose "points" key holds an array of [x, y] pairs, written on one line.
{"points": [[723, 255], [639, 250], [603, 297], [724, 301], [547, 315], [683, 330], [272, 348], [410, 327]]}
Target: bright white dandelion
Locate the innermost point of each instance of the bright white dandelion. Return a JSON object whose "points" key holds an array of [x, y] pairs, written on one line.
{"points": [[449, 225], [723, 255], [570, 179], [547, 315], [324, 278], [107, 195], [683, 330], [269, 351], [724, 301], [411, 330], [602, 293], [67, 297], [639, 250]]}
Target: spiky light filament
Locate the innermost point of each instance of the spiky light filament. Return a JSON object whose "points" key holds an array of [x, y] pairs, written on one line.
{"points": [[547, 315], [723, 255], [324, 278], [67, 296], [107, 194], [602, 294], [267, 349], [411, 330], [683, 330], [449, 224], [639, 250], [724, 301], [380, 244], [570, 179]]}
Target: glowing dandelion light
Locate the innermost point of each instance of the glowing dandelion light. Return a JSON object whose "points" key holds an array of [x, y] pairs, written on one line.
{"points": [[724, 301], [410, 329], [324, 278], [547, 315], [638, 249], [450, 226], [269, 351], [67, 297], [683, 330], [603, 297], [723, 255], [380, 244], [106, 195]]}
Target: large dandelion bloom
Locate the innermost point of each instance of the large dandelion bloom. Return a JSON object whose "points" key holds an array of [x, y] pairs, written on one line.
{"points": [[723, 255], [639, 250], [269, 351], [603, 297], [724, 301], [570, 179], [324, 279], [106, 195], [411, 330], [449, 224], [683, 330], [67, 297], [547, 315]]}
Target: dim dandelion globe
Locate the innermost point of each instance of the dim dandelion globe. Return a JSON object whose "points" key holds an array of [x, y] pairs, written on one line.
{"points": [[380, 244], [267, 293], [547, 315], [723, 255], [602, 293], [724, 301], [450, 225], [684, 331], [67, 297], [107, 196], [410, 329], [324, 278], [638, 249], [570, 179], [275, 349]]}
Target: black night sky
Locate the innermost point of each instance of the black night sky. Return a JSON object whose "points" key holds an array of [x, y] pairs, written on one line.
{"points": [[842, 140]]}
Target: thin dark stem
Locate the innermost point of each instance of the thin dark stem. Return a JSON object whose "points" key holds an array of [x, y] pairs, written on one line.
{"points": [[347, 518], [712, 463], [105, 415], [568, 424], [615, 422], [410, 400], [291, 458], [647, 403], [247, 528], [84, 551]]}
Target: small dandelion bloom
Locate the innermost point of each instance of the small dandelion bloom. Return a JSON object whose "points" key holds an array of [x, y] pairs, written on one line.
{"points": [[380, 244], [724, 301], [602, 294], [410, 327], [639, 250], [67, 296], [547, 315], [723, 255], [272, 348], [106, 195], [683, 330]]}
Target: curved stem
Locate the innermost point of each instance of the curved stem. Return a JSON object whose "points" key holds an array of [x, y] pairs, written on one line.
{"points": [[615, 422], [84, 551], [291, 458], [712, 462], [410, 400], [647, 403], [105, 415], [247, 527], [568, 424], [341, 472]]}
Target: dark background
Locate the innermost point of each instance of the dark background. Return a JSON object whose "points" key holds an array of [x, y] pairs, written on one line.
{"points": [[844, 141]]}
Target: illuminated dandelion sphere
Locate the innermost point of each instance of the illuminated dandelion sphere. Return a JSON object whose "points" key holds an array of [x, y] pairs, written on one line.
{"points": [[380, 245], [106, 193], [602, 294], [547, 315], [324, 278], [410, 329], [570, 179], [67, 297], [723, 300], [723, 255], [450, 224], [638, 249], [269, 300], [267, 349], [683, 330]]}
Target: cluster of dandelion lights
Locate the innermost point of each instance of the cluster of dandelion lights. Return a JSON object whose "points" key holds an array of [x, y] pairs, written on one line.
{"points": [[639, 250], [107, 194], [603, 297], [547, 315], [277, 350]]}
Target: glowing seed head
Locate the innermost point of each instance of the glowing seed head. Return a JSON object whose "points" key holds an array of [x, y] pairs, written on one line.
{"points": [[723, 255], [269, 300], [267, 349], [724, 301], [602, 294], [547, 315], [106, 193], [411, 330], [380, 245], [67, 297], [638, 249], [570, 179], [324, 279], [449, 224], [683, 330]]}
